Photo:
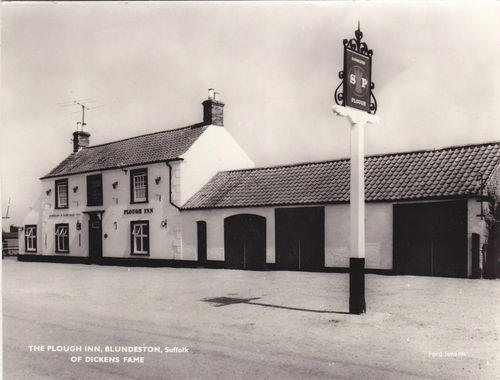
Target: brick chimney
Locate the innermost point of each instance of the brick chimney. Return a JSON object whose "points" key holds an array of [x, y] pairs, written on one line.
{"points": [[81, 139], [213, 112]]}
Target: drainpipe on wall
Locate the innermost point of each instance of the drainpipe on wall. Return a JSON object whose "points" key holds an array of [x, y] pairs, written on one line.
{"points": [[170, 186]]}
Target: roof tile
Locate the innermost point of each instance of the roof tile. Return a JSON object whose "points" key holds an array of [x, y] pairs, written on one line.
{"points": [[439, 173]]}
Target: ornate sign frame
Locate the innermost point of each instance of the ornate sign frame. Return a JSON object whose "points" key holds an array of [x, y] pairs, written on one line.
{"points": [[352, 93]]}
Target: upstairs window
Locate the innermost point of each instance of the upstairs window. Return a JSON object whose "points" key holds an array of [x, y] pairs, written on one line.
{"points": [[62, 193], [30, 238], [140, 238], [139, 186], [62, 238], [94, 190]]}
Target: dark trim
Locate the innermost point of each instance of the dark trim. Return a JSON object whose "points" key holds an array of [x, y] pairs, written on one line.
{"points": [[93, 212], [100, 198], [54, 259], [416, 200], [385, 272], [357, 304], [170, 187], [132, 224], [57, 183], [111, 168], [55, 237], [133, 173], [145, 262], [395, 234], [26, 238]]}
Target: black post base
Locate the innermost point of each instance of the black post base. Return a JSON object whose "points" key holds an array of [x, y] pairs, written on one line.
{"points": [[357, 303]]}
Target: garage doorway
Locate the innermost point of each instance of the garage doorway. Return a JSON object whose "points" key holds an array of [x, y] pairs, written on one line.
{"points": [[300, 238], [245, 241], [430, 239]]}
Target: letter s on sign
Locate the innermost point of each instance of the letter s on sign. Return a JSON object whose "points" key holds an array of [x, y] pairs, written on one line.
{"points": [[352, 79]]}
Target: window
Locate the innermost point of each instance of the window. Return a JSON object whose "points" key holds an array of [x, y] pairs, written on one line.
{"points": [[30, 238], [139, 238], [62, 193], [94, 190], [139, 186], [62, 238]]}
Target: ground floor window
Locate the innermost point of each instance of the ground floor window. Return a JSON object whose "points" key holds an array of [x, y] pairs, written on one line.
{"points": [[30, 238], [62, 238], [140, 237]]}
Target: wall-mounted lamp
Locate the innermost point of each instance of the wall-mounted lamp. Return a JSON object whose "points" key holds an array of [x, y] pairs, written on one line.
{"points": [[114, 184], [48, 191], [157, 180], [105, 236], [78, 226], [164, 223], [75, 189]]}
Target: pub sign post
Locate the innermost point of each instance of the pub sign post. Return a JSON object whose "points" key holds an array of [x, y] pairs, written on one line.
{"points": [[356, 102]]}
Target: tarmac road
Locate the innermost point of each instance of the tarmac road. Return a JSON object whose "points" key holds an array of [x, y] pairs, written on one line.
{"points": [[293, 327]]}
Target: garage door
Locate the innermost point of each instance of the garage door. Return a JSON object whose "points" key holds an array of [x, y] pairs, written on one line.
{"points": [[300, 238], [431, 239], [245, 241]]}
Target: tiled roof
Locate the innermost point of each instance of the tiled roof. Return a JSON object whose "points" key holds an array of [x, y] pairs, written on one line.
{"points": [[153, 147], [442, 173]]}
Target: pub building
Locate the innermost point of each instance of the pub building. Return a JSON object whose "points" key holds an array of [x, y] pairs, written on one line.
{"points": [[192, 197]]}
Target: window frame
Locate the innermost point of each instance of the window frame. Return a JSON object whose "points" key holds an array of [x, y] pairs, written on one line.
{"points": [[147, 237], [33, 238], [100, 198], [59, 182], [133, 174], [56, 236]]}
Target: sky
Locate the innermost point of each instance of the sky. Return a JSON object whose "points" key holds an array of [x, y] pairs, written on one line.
{"points": [[146, 66]]}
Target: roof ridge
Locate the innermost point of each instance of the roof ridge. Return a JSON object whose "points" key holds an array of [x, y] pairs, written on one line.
{"points": [[308, 163], [197, 125]]}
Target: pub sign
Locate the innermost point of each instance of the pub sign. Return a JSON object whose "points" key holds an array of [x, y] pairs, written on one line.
{"points": [[356, 78]]}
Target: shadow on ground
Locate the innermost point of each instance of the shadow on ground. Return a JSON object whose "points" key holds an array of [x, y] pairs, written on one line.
{"points": [[224, 301]]}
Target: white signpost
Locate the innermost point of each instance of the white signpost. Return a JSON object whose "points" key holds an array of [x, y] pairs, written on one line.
{"points": [[358, 120], [356, 94]]}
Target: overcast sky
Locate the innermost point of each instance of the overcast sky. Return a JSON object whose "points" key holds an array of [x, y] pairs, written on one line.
{"points": [[148, 66]]}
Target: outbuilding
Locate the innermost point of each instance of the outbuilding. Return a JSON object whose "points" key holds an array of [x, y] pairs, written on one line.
{"points": [[425, 213]]}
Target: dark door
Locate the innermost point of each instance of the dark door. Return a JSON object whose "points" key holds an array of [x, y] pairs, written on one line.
{"points": [[430, 239], [300, 238], [245, 241], [95, 238], [202, 241]]}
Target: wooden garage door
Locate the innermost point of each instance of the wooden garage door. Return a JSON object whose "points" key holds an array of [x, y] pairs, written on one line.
{"points": [[245, 241], [300, 238], [430, 239]]}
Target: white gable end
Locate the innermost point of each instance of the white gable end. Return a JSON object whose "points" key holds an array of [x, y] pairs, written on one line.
{"points": [[215, 150]]}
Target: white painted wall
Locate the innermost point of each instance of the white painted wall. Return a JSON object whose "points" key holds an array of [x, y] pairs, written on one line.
{"points": [[215, 150], [165, 243], [337, 252], [215, 230]]}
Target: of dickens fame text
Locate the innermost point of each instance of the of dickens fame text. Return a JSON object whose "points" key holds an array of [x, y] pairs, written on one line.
{"points": [[108, 354]]}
